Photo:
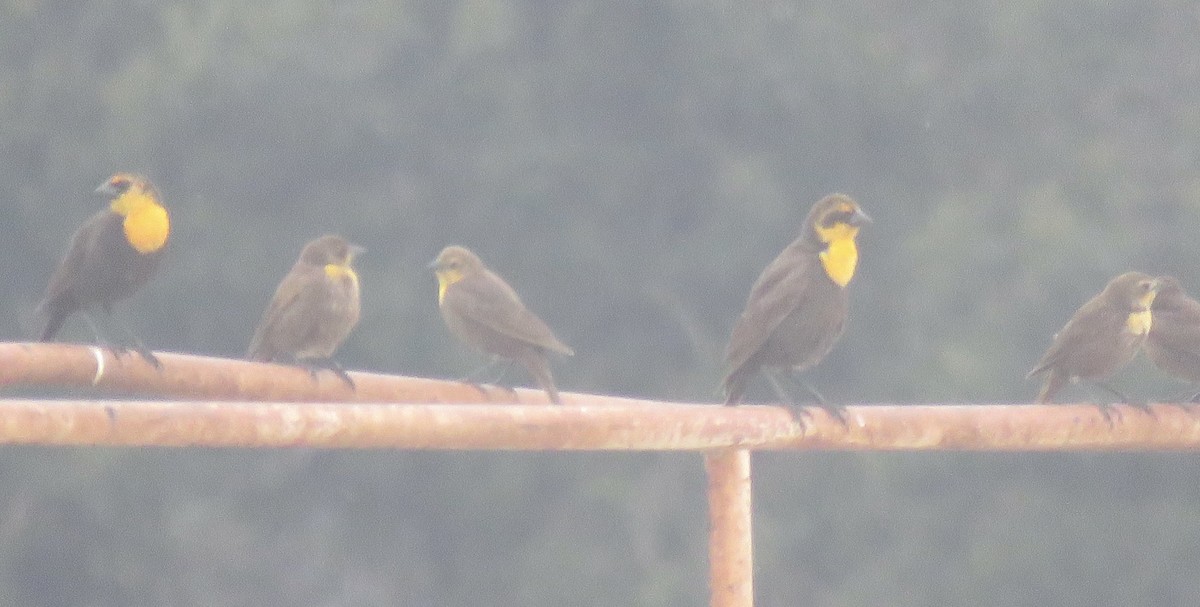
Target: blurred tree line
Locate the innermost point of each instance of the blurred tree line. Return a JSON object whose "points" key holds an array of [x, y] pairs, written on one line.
{"points": [[630, 166]]}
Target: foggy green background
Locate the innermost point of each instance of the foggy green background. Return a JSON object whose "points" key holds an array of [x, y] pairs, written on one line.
{"points": [[629, 166]]}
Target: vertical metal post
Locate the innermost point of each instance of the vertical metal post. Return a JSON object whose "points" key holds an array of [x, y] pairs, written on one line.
{"points": [[730, 549]]}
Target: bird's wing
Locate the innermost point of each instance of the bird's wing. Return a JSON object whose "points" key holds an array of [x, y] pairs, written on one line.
{"points": [[1084, 335], [75, 262], [495, 305], [289, 301], [779, 289]]}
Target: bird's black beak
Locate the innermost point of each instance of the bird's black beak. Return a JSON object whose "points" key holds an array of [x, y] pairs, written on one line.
{"points": [[107, 189], [860, 218]]}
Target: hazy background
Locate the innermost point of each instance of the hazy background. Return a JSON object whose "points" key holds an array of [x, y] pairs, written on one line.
{"points": [[630, 167]]}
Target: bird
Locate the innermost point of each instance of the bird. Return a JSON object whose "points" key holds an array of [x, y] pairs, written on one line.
{"points": [[1102, 336], [483, 311], [1173, 343], [109, 257], [797, 309], [314, 309]]}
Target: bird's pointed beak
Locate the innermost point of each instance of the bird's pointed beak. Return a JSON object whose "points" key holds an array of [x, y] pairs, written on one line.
{"points": [[860, 218], [356, 250], [106, 189], [432, 265]]}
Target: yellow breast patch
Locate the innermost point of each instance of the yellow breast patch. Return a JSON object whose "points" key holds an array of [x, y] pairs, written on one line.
{"points": [[1139, 323], [146, 223], [337, 272], [840, 256], [147, 228], [840, 259], [446, 278]]}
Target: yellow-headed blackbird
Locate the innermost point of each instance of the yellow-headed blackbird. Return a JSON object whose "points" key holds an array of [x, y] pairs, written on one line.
{"points": [[314, 308], [482, 310], [1102, 336], [797, 308], [1174, 340], [110, 256]]}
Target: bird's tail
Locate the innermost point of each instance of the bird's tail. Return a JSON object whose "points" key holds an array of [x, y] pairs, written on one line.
{"points": [[539, 368], [734, 385], [1053, 383], [55, 313]]}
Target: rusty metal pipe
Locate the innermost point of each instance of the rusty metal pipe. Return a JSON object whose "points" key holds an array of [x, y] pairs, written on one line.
{"points": [[647, 426], [587, 422], [186, 376], [730, 541]]}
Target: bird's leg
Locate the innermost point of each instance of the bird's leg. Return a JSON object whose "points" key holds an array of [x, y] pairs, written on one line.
{"points": [[1143, 406], [483, 374], [329, 364], [1109, 411], [118, 347], [100, 335], [502, 367], [836, 411], [1114, 392], [799, 413]]}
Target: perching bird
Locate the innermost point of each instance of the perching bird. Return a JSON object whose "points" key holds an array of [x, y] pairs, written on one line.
{"points": [[483, 311], [110, 256], [1173, 344], [314, 308], [798, 306], [1102, 336]]}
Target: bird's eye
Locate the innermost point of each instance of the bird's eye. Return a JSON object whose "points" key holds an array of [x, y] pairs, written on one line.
{"points": [[836, 217]]}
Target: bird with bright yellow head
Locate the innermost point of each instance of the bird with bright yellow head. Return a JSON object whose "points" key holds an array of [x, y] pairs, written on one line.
{"points": [[110, 256]]}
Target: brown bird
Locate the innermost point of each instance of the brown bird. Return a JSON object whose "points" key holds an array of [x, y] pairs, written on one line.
{"points": [[1102, 336], [798, 306], [110, 256], [314, 309], [483, 311], [1173, 344]]}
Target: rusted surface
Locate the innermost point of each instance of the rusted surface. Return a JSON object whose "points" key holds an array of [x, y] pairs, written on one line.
{"points": [[586, 422], [354, 425], [730, 545], [620, 427], [186, 376], [1077, 427]]}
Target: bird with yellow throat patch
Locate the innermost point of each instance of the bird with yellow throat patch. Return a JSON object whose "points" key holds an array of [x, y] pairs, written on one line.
{"points": [[314, 308], [1102, 336], [1173, 343], [797, 308], [110, 256], [483, 311]]}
